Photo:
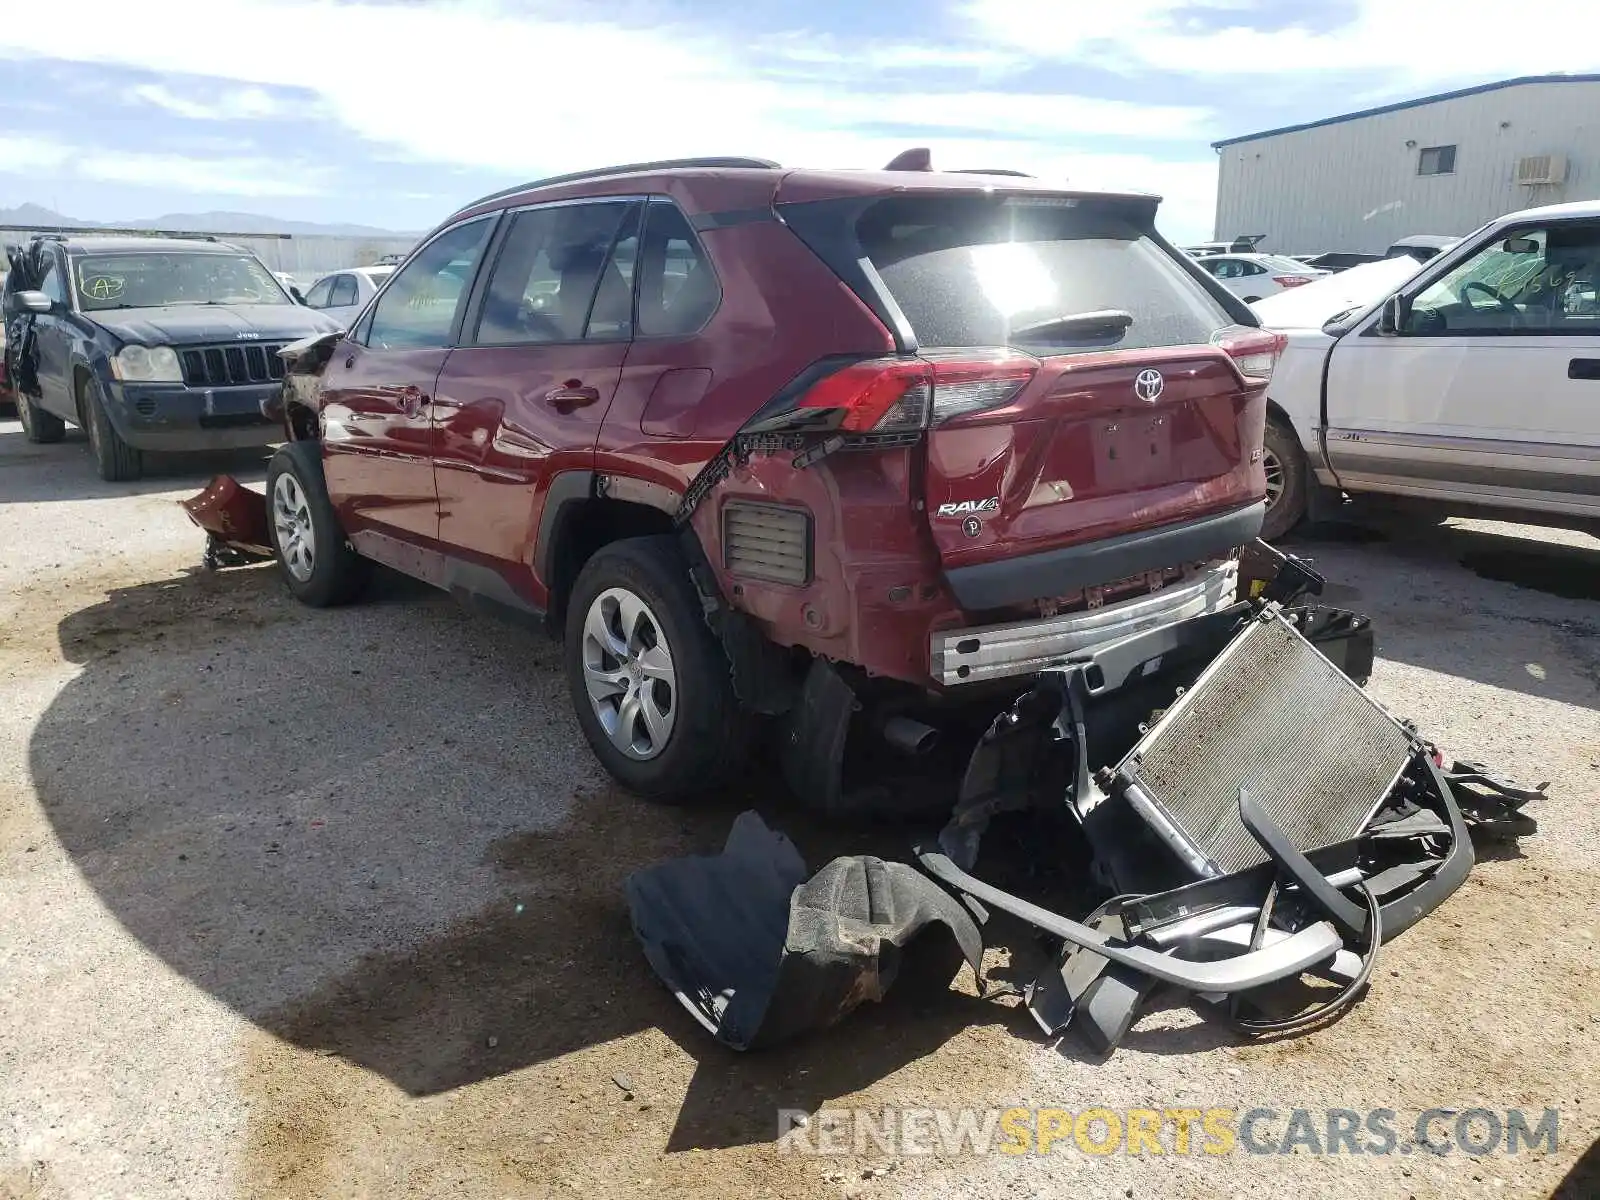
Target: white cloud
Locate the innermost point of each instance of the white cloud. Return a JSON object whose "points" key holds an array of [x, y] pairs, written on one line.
{"points": [[472, 83], [1416, 42], [207, 176], [222, 104], [22, 154]]}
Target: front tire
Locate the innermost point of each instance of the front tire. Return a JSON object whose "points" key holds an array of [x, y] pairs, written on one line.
{"points": [[650, 684], [116, 461], [38, 426], [314, 557], [1285, 465]]}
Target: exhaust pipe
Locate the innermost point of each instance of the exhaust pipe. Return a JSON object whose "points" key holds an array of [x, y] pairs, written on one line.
{"points": [[910, 736]]}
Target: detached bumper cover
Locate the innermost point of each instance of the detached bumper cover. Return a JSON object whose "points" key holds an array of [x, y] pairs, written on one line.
{"points": [[758, 954]]}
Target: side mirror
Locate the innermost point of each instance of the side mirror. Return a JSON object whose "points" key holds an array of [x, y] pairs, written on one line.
{"points": [[1393, 316], [34, 302], [295, 292]]}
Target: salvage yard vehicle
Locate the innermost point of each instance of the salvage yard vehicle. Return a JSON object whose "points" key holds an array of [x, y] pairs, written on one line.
{"points": [[1253, 277], [147, 343], [1472, 387], [844, 449], [925, 468], [343, 294]]}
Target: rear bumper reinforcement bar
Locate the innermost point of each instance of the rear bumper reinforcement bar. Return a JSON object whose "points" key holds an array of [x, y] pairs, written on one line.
{"points": [[978, 653]]}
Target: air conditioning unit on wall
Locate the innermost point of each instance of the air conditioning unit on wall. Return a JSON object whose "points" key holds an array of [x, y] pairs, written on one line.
{"points": [[1542, 168]]}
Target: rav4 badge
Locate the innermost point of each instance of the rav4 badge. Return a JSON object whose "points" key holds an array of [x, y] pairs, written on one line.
{"points": [[967, 507]]}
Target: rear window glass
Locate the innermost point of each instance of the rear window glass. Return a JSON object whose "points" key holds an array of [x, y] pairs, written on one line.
{"points": [[970, 271]]}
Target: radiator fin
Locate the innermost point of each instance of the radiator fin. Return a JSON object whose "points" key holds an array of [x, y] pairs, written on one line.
{"points": [[1273, 716]]}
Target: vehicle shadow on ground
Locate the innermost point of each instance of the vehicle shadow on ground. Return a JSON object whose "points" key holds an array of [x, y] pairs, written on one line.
{"points": [[1428, 586], [64, 470], [376, 833]]}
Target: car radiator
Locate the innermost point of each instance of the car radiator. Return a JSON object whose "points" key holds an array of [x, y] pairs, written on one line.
{"points": [[1273, 716]]}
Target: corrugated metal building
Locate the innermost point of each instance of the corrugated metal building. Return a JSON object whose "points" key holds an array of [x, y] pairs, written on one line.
{"points": [[304, 256], [1443, 165]]}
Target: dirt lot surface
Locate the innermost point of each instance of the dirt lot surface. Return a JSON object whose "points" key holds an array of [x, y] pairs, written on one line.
{"points": [[314, 904]]}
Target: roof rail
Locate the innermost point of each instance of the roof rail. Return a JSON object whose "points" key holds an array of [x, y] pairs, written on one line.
{"points": [[664, 164], [994, 171]]}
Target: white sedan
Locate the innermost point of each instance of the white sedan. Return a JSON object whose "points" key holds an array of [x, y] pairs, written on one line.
{"points": [[1253, 277], [343, 294]]}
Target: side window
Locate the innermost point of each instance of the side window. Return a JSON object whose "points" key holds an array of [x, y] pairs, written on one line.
{"points": [[1225, 268], [1251, 268], [678, 291], [1534, 281], [317, 297], [557, 278], [54, 283], [344, 291], [418, 312]]}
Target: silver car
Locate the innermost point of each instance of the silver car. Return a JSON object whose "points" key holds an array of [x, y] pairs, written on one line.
{"points": [[343, 294]]}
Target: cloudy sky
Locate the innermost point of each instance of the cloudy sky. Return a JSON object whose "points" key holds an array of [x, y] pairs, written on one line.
{"points": [[391, 112]]}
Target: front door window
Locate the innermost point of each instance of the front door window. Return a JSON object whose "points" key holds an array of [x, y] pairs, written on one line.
{"points": [[1535, 281]]}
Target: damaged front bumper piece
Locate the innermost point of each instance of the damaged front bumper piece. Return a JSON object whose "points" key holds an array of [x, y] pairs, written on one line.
{"points": [[1252, 814]]}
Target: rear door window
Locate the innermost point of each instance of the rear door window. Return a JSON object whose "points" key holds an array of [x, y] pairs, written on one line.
{"points": [[559, 277], [984, 271]]}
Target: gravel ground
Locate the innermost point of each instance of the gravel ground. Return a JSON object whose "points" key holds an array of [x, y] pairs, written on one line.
{"points": [[303, 904]]}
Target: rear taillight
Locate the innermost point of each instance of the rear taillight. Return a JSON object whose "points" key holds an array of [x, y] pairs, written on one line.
{"points": [[1289, 281], [1254, 351], [978, 382], [895, 395]]}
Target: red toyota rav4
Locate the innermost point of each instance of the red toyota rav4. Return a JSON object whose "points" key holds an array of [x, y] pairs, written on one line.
{"points": [[843, 448]]}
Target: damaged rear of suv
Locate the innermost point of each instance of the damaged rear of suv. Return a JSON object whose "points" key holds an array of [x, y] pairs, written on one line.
{"points": [[841, 448]]}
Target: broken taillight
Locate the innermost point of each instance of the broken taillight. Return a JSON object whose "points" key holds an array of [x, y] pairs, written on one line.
{"points": [[1253, 351], [897, 395]]}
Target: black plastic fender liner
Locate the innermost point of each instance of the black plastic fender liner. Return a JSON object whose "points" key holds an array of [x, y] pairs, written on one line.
{"points": [[758, 954]]}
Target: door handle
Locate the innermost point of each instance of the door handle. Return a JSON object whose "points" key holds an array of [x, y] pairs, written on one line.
{"points": [[411, 400], [1584, 368], [570, 395]]}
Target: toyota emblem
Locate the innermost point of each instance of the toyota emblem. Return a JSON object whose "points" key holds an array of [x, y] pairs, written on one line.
{"points": [[1148, 384]]}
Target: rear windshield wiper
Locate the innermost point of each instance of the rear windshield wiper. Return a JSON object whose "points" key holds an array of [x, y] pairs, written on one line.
{"points": [[1109, 320]]}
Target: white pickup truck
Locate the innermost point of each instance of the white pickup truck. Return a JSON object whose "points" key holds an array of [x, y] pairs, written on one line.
{"points": [[1469, 384]]}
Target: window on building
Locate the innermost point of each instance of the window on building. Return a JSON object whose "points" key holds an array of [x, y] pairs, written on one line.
{"points": [[1436, 160]]}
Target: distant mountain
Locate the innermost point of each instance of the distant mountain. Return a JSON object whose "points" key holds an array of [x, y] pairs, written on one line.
{"points": [[207, 222]]}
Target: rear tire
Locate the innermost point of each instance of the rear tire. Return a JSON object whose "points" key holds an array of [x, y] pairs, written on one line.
{"points": [[313, 554], [1286, 470], [650, 684], [116, 461], [38, 426]]}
